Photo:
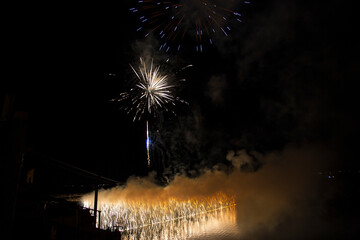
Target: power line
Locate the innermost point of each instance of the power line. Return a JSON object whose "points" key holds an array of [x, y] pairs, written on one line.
{"points": [[77, 170]]}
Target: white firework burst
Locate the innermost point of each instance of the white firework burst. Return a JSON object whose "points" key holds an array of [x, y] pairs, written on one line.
{"points": [[152, 91]]}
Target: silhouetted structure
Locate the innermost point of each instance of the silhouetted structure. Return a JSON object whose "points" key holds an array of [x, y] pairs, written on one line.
{"points": [[36, 187]]}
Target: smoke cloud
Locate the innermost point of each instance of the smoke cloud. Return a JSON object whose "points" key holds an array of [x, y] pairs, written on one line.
{"points": [[285, 199]]}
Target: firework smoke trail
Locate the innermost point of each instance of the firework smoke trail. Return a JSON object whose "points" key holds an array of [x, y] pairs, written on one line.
{"points": [[173, 19]]}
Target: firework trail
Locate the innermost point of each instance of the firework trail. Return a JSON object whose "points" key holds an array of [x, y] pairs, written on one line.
{"points": [[151, 92], [147, 143], [171, 20]]}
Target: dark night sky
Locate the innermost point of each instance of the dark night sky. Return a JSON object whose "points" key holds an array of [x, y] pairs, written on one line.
{"points": [[286, 74]]}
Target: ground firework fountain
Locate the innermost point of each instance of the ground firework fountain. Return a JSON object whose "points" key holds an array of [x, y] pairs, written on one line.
{"points": [[133, 215]]}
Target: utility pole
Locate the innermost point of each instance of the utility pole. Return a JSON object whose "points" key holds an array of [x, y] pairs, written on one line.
{"points": [[95, 202]]}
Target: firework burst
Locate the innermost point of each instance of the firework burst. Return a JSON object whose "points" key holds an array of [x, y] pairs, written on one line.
{"points": [[173, 19], [152, 92]]}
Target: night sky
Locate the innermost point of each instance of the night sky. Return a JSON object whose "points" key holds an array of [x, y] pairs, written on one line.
{"points": [[286, 74]]}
